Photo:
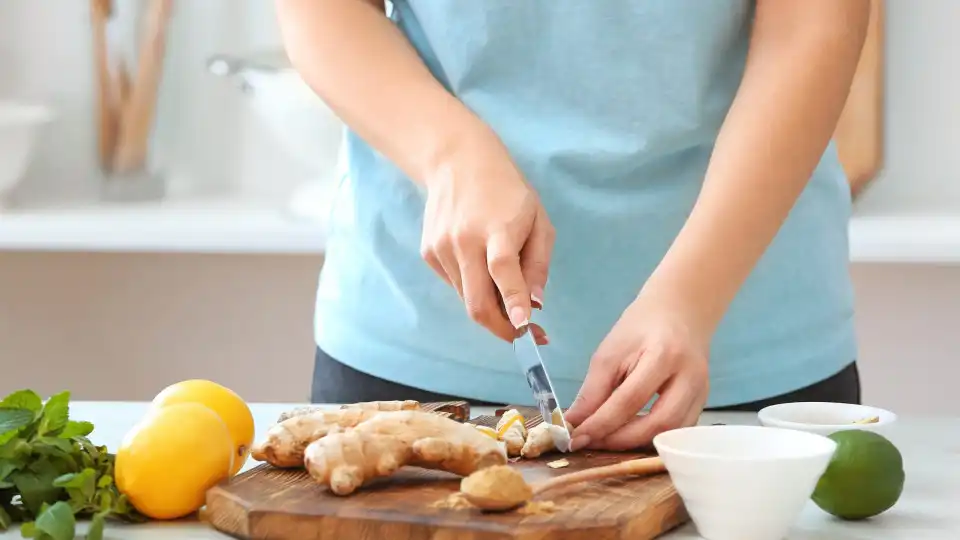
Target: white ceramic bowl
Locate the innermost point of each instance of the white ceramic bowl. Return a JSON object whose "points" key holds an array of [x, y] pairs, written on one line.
{"points": [[825, 418], [298, 119], [744, 482], [20, 124]]}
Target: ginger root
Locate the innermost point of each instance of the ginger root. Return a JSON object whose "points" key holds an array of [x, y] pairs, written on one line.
{"points": [[385, 406], [382, 406], [287, 440], [512, 431], [540, 441], [379, 446]]}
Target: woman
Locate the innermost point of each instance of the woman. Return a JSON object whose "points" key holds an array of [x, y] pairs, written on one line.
{"points": [[665, 163]]}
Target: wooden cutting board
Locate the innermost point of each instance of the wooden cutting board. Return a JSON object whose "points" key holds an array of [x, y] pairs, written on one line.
{"points": [[266, 503]]}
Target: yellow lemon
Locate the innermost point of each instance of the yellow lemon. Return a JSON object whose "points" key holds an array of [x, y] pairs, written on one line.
{"points": [[169, 460], [225, 402]]}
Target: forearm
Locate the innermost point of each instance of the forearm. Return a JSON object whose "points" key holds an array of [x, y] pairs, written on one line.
{"points": [[367, 72], [802, 58]]}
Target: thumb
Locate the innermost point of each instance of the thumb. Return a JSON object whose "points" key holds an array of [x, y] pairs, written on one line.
{"points": [[535, 256], [598, 385]]}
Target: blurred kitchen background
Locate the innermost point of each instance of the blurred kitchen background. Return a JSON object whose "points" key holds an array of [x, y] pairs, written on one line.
{"points": [[201, 260]]}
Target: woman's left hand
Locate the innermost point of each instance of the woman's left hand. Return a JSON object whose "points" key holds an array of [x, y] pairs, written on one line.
{"points": [[653, 349]]}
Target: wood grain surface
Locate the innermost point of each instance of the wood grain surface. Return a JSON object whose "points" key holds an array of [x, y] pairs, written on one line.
{"points": [[272, 504]]}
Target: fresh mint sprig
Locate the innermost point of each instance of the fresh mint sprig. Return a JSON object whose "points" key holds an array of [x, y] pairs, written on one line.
{"points": [[50, 472]]}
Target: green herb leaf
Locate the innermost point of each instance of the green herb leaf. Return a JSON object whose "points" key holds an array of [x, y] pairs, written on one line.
{"points": [[36, 485], [84, 482], [95, 531], [5, 520], [76, 429], [55, 413], [23, 399], [28, 529], [105, 500], [58, 522], [86, 460], [105, 481], [53, 446], [6, 467], [123, 510], [12, 420], [68, 480]]}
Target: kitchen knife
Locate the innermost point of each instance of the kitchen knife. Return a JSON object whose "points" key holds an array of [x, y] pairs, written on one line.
{"points": [[528, 356]]}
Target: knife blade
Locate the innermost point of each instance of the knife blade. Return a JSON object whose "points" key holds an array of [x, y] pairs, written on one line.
{"points": [[531, 363]]}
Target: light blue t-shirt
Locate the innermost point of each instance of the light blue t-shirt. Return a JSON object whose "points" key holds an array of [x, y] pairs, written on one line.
{"points": [[611, 110]]}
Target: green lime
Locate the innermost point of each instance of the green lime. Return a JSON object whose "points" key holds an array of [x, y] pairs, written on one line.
{"points": [[864, 478]]}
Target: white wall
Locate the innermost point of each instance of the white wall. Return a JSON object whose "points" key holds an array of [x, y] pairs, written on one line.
{"points": [[207, 140], [922, 173], [93, 323]]}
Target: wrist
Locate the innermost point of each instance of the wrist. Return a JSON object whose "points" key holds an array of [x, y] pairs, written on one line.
{"points": [[677, 294], [461, 139]]}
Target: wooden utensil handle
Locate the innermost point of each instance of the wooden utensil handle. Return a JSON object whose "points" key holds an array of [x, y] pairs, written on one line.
{"points": [[107, 100], [649, 465], [138, 110]]}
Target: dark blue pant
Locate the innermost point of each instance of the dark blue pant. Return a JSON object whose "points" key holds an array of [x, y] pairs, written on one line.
{"points": [[334, 382]]}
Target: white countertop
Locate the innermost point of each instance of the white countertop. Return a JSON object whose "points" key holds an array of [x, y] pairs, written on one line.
{"points": [[225, 225], [249, 225], [928, 510]]}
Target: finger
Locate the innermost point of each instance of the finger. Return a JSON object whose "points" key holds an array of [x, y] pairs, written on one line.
{"points": [[535, 257], [503, 263], [448, 261], [615, 442], [539, 334], [626, 400], [481, 297], [677, 400], [693, 417], [602, 378], [430, 257]]}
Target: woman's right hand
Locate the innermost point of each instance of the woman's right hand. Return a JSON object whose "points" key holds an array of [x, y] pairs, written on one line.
{"points": [[487, 235]]}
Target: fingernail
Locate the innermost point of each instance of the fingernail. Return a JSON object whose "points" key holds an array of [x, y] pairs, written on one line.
{"points": [[536, 297], [516, 317], [579, 442]]}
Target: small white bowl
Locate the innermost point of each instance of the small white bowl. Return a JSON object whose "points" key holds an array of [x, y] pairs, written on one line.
{"points": [[20, 125], [744, 482], [824, 418]]}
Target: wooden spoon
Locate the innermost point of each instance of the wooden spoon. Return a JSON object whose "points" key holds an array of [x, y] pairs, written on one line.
{"points": [[503, 488]]}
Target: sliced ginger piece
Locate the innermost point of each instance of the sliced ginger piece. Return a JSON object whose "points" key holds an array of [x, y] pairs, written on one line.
{"points": [[286, 441], [540, 441], [492, 433], [488, 431], [378, 447], [512, 431]]}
